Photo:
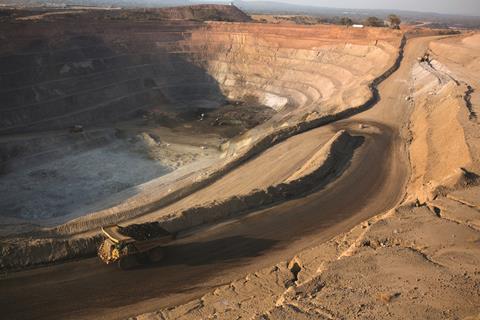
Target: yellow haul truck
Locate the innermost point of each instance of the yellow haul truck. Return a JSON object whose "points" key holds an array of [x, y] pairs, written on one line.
{"points": [[134, 244]]}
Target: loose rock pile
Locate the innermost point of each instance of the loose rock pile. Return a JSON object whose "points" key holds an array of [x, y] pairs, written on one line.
{"points": [[145, 231]]}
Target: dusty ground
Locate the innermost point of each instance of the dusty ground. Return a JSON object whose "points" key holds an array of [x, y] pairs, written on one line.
{"points": [[49, 186]]}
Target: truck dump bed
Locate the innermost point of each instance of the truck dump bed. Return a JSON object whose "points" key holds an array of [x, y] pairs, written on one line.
{"points": [[145, 231], [138, 233], [112, 232]]}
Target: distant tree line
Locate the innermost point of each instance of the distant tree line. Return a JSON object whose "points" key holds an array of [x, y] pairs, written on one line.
{"points": [[392, 21], [374, 22], [346, 21]]}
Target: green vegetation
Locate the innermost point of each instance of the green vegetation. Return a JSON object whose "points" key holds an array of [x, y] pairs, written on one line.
{"points": [[346, 21], [394, 21], [374, 22]]}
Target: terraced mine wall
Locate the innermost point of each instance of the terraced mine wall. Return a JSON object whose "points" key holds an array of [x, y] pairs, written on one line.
{"points": [[289, 121], [96, 74], [53, 78], [57, 77]]}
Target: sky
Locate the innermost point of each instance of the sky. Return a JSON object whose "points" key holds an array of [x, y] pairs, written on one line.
{"points": [[468, 7]]}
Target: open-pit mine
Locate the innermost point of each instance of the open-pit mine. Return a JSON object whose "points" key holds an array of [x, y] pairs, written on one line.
{"points": [[299, 172]]}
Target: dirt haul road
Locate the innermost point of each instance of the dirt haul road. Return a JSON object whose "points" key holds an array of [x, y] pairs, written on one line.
{"points": [[373, 183]]}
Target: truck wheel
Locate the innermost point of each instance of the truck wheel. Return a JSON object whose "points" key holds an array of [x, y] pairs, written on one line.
{"points": [[156, 254], [127, 262]]}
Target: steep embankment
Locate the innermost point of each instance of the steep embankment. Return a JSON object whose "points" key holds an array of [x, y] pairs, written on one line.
{"points": [[445, 150], [324, 71]]}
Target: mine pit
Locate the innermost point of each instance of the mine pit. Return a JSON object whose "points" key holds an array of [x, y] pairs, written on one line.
{"points": [[88, 118]]}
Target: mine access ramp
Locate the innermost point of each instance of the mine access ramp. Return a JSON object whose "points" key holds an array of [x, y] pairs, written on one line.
{"points": [[133, 245]]}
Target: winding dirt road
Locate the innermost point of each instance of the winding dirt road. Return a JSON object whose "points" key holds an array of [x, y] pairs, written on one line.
{"points": [[373, 183]]}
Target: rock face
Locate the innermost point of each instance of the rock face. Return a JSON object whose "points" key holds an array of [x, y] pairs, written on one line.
{"points": [[445, 148], [294, 66], [91, 70], [105, 71], [57, 78]]}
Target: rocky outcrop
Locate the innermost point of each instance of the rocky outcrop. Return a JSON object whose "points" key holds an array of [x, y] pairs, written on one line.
{"points": [[444, 149]]}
